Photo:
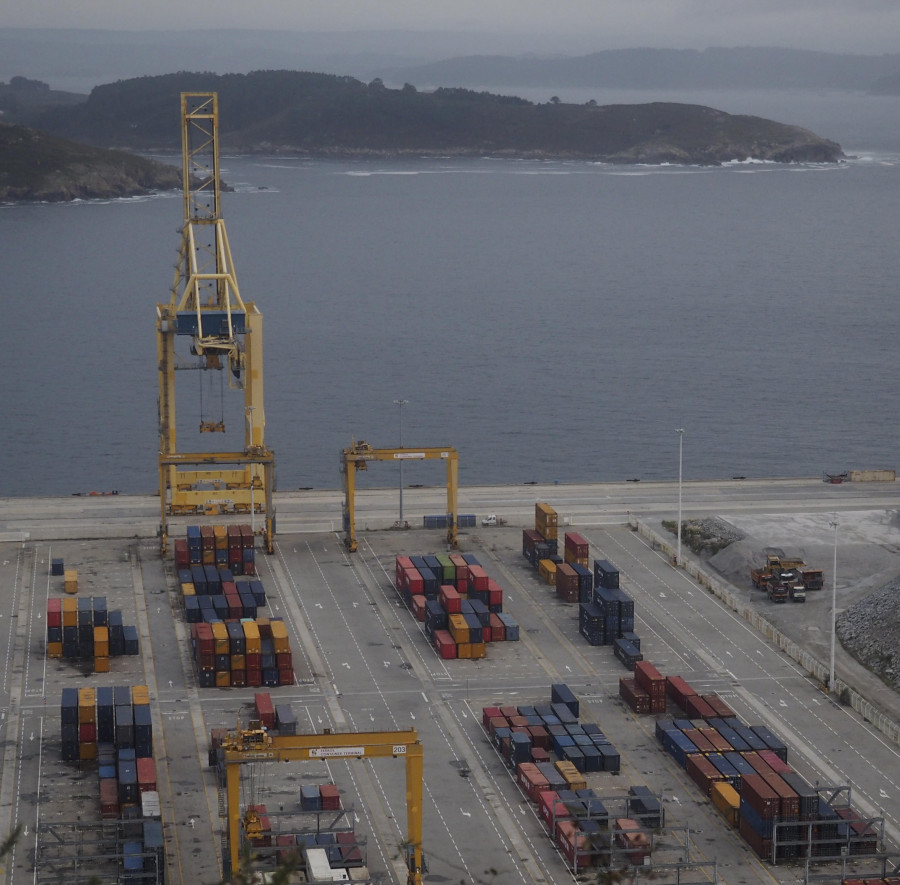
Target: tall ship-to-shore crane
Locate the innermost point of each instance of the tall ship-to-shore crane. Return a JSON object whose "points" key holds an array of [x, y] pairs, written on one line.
{"points": [[225, 335]]}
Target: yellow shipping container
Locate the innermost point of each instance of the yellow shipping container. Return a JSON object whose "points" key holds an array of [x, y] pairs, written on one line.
{"points": [[464, 649], [54, 649], [101, 664], [251, 637], [220, 638], [547, 569], [140, 695], [223, 678], [87, 751], [545, 514], [209, 557], [726, 799], [188, 589], [280, 637], [459, 629], [70, 576], [70, 612], [574, 778], [238, 662], [220, 532], [87, 705], [479, 650]]}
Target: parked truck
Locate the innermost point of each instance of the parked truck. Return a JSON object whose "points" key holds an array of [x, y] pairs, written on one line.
{"points": [[813, 578], [777, 590]]}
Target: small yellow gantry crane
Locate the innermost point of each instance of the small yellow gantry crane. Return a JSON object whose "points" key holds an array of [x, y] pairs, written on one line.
{"points": [[225, 335], [256, 745]]}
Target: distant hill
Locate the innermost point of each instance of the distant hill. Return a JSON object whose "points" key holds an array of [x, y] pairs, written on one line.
{"points": [[327, 115], [720, 68], [36, 166]]}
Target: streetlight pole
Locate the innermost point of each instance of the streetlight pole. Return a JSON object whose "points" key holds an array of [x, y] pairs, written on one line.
{"points": [[680, 432], [252, 474], [401, 403], [834, 525]]}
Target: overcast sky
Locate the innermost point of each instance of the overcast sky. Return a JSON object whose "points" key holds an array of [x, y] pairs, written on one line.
{"points": [[866, 26]]}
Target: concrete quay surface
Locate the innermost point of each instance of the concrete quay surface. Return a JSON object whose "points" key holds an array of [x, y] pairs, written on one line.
{"points": [[362, 663]]}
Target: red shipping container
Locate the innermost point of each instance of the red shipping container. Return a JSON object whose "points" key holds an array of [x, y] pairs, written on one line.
{"points": [[331, 799], [418, 607], [444, 644], [789, 801], [496, 722], [699, 740], [650, 679], [566, 582], [205, 642], [54, 612], [254, 677], [721, 709], [350, 853], [574, 844], [450, 600], [697, 708], [539, 754], [462, 586], [87, 732], [478, 578], [462, 567], [760, 796], [633, 695], [577, 546], [146, 774], [401, 564], [109, 798], [412, 581], [720, 743], [239, 678], [495, 593], [774, 761], [265, 709], [552, 809], [229, 587], [509, 712], [498, 629], [253, 661], [540, 737], [285, 677], [488, 713], [678, 690], [284, 660], [759, 764], [702, 772]]}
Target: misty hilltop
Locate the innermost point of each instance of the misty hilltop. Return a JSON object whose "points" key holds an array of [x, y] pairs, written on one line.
{"points": [[325, 115]]}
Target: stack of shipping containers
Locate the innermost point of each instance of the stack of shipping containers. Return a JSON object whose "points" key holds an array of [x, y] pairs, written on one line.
{"points": [[460, 605], [84, 629], [112, 727], [229, 547], [246, 652]]}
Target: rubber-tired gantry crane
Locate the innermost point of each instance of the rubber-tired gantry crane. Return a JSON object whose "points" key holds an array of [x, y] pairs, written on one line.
{"points": [[357, 457], [225, 335], [255, 744]]}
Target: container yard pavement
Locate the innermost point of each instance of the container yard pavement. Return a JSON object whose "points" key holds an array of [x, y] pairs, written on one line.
{"points": [[362, 662]]}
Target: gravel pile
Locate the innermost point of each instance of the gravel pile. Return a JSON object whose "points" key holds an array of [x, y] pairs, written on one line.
{"points": [[870, 631]]}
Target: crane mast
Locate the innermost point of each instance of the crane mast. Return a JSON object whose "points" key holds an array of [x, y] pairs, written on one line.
{"points": [[225, 336]]}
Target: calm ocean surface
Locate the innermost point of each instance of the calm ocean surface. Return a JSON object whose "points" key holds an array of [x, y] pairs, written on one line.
{"points": [[553, 321]]}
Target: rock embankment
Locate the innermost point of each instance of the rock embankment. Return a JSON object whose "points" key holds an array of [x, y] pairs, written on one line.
{"points": [[40, 167], [870, 631]]}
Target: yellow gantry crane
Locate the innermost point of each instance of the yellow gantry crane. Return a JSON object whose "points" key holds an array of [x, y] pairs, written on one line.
{"points": [[225, 335], [257, 745], [358, 456]]}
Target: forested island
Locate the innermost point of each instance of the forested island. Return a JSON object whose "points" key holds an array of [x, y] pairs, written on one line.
{"points": [[324, 115]]}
